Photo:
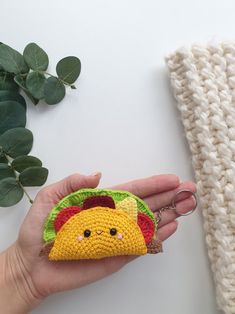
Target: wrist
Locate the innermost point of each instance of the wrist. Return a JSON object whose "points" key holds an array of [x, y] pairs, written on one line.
{"points": [[17, 292]]}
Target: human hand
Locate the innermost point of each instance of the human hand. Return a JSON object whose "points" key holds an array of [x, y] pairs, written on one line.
{"points": [[31, 277]]}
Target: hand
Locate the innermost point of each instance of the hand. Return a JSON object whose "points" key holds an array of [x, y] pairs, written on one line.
{"points": [[31, 278]]}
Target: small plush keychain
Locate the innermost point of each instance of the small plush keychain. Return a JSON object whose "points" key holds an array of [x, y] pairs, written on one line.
{"points": [[98, 223]]}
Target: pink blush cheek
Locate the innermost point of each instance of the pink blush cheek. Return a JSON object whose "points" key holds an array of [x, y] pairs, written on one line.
{"points": [[80, 238], [119, 236]]}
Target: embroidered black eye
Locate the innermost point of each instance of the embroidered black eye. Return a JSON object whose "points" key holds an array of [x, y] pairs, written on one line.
{"points": [[87, 233], [113, 231]]}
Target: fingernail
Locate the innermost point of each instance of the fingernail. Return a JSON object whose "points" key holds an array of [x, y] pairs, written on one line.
{"points": [[96, 174]]}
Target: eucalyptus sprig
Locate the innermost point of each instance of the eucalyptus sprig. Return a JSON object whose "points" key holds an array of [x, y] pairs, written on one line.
{"points": [[27, 72]]}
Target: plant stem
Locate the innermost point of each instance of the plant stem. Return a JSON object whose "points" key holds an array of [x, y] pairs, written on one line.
{"points": [[65, 83], [26, 193], [49, 74], [17, 179]]}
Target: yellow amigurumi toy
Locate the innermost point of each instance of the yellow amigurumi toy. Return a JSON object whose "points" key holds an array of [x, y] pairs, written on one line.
{"points": [[98, 223]]}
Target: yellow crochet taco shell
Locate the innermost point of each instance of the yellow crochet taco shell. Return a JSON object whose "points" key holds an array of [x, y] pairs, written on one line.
{"points": [[98, 223]]}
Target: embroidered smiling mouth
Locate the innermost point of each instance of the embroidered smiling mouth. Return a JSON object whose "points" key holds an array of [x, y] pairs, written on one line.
{"points": [[99, 232]]}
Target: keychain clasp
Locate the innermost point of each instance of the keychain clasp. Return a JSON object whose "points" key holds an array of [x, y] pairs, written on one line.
{"points": [[173, 205]]}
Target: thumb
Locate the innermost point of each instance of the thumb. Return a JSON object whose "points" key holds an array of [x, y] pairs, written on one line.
{"points": [[56, 191], [72, 183]]}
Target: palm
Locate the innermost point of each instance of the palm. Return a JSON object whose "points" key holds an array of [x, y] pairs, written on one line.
{"points": [[49, 277]]}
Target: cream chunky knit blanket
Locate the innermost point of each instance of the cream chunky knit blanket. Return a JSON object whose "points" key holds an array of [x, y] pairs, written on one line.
{"points": [[203, 80]]}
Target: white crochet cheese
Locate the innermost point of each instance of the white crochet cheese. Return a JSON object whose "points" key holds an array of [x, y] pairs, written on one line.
{"points": [[203, 80]]}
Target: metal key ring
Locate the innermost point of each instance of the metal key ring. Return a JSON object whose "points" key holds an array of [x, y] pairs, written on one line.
{"points": [[174, 201]]}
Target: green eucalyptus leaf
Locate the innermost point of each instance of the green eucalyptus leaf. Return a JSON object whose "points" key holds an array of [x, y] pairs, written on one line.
{"points": [[10, 95], [3, 159], [10, 192], [54, 91], [16, 142], [36, 57], [12, 115], [20, 81], [33, 99], [35, 84], [6, 171], [23, 162], [12, 61], [68, 69], [7, 82], [33, 176]]}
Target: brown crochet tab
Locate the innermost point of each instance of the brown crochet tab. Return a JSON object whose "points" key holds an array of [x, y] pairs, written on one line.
{"points": [[98, 201], [154, 246], [45, 251]]}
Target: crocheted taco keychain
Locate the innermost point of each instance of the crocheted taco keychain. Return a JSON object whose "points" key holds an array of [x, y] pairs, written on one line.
{"points": [[98, 223]]}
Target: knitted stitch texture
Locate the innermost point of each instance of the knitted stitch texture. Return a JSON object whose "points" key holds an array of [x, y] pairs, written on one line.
{"points": [[100, 243], [203, 80], [99, 223], [77, 198]]}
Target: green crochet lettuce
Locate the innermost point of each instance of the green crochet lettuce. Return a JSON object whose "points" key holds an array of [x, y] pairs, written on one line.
{"points": [[77, 198]]}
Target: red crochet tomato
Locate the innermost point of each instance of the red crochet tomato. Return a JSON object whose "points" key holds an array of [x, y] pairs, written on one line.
{"points": [[146, 225], [64, 215], [98, 200]]}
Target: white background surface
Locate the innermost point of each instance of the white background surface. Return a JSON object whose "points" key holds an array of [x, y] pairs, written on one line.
{"points": [[122, 121]]}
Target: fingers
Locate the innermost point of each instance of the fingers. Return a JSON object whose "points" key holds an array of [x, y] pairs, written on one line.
{"points": [[166, 231], [151, 185], [182, 207], [184, 202], [75, 182], [163, 199]]}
